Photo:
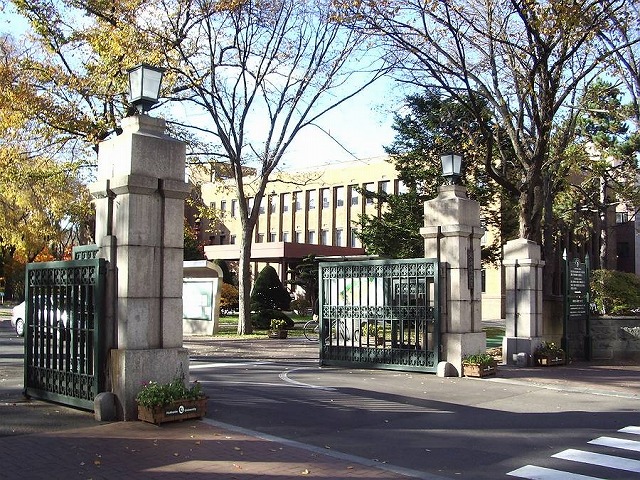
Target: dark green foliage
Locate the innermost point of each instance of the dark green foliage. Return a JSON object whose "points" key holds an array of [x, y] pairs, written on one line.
{"points": [[268, 292], [305, 275], [615, 293], [228, 275], [262, 319], [433, 126], [396, 233]]}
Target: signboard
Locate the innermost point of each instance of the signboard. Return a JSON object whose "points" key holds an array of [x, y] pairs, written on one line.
{"points": [[577, 289]]}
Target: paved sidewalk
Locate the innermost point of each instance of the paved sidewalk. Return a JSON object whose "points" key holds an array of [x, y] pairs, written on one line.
{"points": [[184, 450]]}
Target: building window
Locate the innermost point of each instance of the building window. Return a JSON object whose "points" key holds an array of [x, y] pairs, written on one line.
{"points": [[325, 197], [262, 202], [297, 200], [212, 239], [260, 238], [368, 187], [354, 194], [384, 186], [338, 241], [402, 187], [223, 239], [622, 217], [339, 196], [250, 205], [232, 240], [212, 205], [234, 208], [273, 237], [223, 205], [273, 204], [354, 239], [324, 237], [312, 236], [311, 195], [286, 201], [285, 236], [298, 237]]}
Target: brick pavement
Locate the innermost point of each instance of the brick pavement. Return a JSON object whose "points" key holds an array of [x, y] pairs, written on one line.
{"points": [[184, 450]]}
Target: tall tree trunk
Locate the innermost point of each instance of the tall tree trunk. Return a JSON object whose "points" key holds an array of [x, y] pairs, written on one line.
{"points": [[244, 279]]}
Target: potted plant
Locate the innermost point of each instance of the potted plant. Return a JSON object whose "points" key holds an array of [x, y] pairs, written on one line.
{"points": [[373, 332], [278, 328], [160, 403], [548, 354], [478, 365]]}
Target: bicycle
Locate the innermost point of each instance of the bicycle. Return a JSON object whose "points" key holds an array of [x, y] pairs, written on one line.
{"points": [[311, 330]]}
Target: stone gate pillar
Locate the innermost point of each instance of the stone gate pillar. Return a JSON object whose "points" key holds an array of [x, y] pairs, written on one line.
{"points": [[522, 261], [452, 233], [139, 198]]}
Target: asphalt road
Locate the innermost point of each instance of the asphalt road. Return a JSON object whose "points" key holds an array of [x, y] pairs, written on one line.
{"points": [[443, 427], [449, 427]]}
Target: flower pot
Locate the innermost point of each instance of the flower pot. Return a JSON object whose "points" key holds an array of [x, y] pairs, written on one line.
{"points": [[549, 359], [174, 411], [277, 333], [476, 370]]}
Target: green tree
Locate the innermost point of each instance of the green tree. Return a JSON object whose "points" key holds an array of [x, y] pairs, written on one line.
{"points": [[431, 125], [268, 291], [269, 298], [305, 275]]}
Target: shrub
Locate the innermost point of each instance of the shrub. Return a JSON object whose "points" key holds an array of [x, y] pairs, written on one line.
{"points": [[262, 319], [154, 394], [616, 293], [268, 292]]}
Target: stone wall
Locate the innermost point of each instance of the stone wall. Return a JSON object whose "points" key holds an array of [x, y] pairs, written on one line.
{"points": [[615, 338]]}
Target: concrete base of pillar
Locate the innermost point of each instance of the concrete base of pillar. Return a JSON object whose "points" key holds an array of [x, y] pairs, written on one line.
{"points": [[457, 345], [130, 369], [513, 346]]}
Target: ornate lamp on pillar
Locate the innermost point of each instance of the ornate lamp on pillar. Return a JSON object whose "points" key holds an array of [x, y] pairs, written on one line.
{"points": [[451, 165], [144, 86]]}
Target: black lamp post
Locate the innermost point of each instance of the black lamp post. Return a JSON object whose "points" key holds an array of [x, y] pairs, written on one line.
{"points": [[144, 86], [451, 164]]}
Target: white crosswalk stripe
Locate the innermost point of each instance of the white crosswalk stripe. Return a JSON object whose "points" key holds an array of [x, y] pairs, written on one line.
{"points": [[601, 460], [540, 473]]}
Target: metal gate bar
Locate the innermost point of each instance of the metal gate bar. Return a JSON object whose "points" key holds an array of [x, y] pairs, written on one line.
{"points": [[63, 310], [380, 314]]}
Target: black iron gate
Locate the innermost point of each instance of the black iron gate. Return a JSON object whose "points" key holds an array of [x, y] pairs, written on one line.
{"points": [[63, 312], [380, 314]]}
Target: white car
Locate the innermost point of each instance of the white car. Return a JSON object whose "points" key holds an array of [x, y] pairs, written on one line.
{"points": [[18, 318]]}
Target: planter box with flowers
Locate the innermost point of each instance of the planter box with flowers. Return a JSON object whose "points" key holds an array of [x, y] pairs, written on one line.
{"points": [[479, 365], [278, 328], [548, 354], [170, 402]]}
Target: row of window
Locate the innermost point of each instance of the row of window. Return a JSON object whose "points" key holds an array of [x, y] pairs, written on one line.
{"points": [[295, 199], [298, 237]]}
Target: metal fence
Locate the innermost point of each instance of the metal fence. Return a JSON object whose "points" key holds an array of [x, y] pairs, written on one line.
{"points": [[63, 312], [380, 314]]}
